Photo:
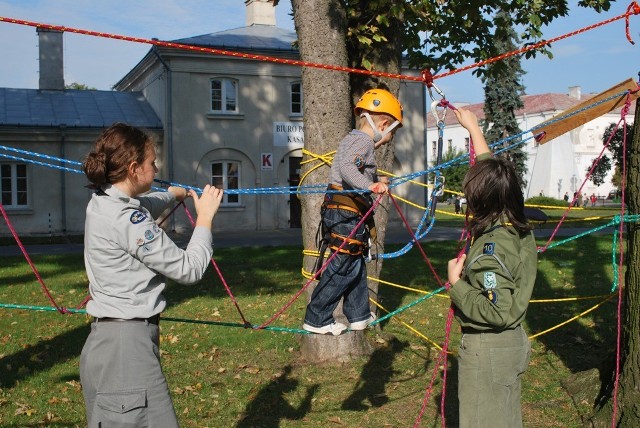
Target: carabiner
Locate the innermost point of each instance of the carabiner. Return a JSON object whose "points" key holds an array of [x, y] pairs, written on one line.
{"points": [[434, 110]]}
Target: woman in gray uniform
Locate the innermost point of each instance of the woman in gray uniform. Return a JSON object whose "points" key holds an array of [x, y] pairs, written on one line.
{"points": [[127, 257], [490, 288]]}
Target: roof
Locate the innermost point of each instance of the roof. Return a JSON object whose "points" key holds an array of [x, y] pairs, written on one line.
{"points": [[255, 37], [75, 108], [533, 104]]}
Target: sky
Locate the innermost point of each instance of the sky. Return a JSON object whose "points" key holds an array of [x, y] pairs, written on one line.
{"points": [[594, 60]]}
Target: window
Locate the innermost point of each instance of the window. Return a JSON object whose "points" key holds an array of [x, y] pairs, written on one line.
{"points": [[296, 98], [13, 179], [226, 175], [224, 95], [466, 144], [449, 145], [434, 150]]}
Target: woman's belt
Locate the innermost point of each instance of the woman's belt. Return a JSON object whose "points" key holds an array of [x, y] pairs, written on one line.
{"points": [[151, 320]]}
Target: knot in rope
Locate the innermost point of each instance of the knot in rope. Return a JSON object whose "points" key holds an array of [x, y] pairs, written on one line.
{"points": [[627, 105], [446, 104], [427, 77]]}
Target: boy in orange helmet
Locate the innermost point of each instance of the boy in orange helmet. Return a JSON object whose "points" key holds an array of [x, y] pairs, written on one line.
{"points": [[354, 171]]}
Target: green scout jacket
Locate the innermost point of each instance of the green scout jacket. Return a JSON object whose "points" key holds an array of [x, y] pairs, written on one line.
{"points": [[500, 270]]}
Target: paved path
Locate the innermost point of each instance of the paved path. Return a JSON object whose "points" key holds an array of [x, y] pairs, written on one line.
{"points": [[279, 237]]}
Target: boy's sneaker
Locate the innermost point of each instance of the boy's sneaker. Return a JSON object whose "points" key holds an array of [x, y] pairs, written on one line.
{"points": [[335, 328], [361, 325]]}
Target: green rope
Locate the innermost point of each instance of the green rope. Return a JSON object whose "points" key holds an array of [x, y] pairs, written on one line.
{"points": [[404, 308], [614, 222]]}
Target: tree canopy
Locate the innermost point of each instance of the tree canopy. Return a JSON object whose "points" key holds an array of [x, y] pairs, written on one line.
{"points": [[616, 149], [442, 34]]}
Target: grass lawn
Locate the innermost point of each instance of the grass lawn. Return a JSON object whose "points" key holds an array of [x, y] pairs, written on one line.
{"points": [[223, 376]]}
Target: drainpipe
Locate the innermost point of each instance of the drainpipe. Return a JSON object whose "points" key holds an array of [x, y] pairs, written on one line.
{"points": [[63, 184], [168, 121]]}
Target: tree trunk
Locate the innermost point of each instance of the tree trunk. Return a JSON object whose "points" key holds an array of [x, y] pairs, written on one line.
{"points": [[328, 117], [628, 400]]}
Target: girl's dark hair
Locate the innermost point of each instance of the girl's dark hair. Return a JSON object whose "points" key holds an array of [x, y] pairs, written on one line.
{"points": [[494, 196], [115, 149]]}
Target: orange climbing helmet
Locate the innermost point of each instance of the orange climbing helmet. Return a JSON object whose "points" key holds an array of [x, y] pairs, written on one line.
{"points": [[380, 101]]}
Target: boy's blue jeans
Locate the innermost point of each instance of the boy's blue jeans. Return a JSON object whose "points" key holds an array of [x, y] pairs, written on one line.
{"points": [[345, 276]]}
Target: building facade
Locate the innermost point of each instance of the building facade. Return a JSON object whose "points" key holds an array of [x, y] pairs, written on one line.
{"points": [[41, 195], [238, 123], [557, 167]]}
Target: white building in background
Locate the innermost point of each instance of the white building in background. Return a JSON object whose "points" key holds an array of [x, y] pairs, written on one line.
{"points": [[556, 167], [237, 122]]}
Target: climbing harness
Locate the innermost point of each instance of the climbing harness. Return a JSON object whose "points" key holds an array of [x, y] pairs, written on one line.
{"points": [[326, 238]]}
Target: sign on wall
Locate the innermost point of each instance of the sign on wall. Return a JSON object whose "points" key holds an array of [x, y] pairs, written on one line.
{"points": [[288, 134], [266, 160]]}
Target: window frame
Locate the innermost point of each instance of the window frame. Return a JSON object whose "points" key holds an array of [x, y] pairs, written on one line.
{"points": [[291, 100], [227, 199], [224, 98], [14, 191]]}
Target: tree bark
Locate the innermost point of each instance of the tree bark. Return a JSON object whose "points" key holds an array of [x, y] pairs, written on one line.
{"points": [[628, 398]]}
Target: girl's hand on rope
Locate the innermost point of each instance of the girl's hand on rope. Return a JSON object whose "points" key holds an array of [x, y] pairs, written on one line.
{"points": [[379, 187], [469, 121], [179, 192], [455, 268], [206, 204]]}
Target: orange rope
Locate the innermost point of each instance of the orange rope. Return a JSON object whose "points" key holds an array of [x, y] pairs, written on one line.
{"points": [[633, 9]]}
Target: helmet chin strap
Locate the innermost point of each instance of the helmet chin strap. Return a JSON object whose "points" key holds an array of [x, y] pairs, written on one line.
{"points": [[377, 135]]}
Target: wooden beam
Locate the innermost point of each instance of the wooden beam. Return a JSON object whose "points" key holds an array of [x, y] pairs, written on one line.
{"points": [[551, 128]]}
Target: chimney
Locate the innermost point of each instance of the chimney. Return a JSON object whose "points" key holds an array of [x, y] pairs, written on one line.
{"points": [[51, 63], [261, 12], [575, 92]]}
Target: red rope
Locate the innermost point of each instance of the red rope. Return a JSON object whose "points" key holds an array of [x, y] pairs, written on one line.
{"points": [[247, 324], [415, 239], [60, 309], [624, 112], [443, 357], [634, 9], [214, 51], [315, 275], [426, 76], [623, 183]]}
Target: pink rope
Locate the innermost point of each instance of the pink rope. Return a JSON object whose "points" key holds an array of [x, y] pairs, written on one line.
{"points": [[444, 353], [247, 324], [60, 309], [623, 113], [415, 239], [315, 275], [573, 201]]}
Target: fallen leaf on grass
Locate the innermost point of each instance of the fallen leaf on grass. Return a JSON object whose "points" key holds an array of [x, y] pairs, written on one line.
{"points": [[335, 420], [75, 384], [24, 409]]}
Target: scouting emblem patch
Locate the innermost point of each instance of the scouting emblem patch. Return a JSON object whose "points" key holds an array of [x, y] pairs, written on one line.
{"points": [[489, 248], [492, 296], [490, 280], [137, 217]]}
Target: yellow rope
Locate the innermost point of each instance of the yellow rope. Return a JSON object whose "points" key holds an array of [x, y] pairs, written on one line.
{"points": [[324, 159], [327, 158], [406, 288], [567, 299], [416, 332], [573, 318]]}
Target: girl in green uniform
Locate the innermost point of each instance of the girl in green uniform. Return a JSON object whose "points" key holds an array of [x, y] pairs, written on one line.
{"points": [[490, 288]]}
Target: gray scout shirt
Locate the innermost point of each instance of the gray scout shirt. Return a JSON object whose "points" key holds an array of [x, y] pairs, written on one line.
{"points": [[127, 255], [354, 164]]}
